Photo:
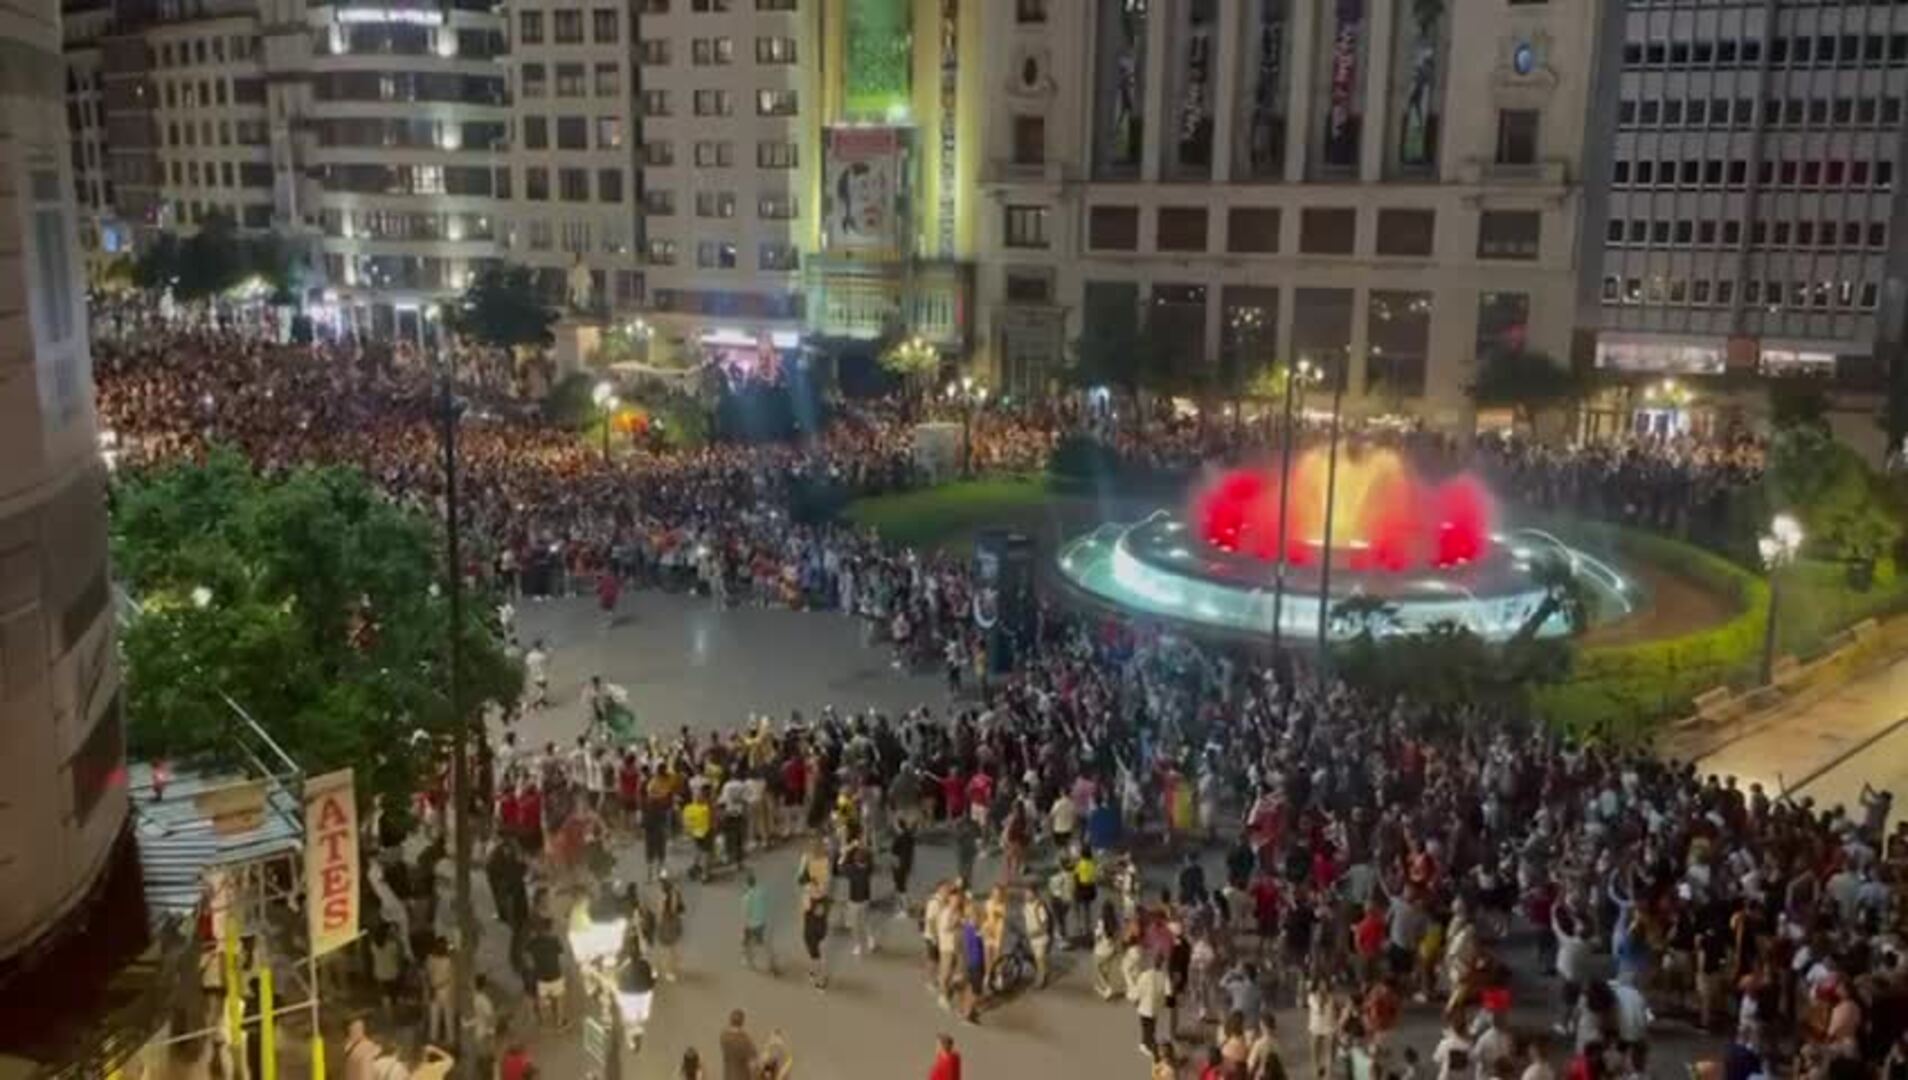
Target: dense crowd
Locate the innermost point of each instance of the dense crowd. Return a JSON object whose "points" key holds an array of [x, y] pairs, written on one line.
{"points": [[1221, 839]]}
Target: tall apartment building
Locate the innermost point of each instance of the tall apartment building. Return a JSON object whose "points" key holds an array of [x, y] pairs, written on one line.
{"points": [[61, 739], [729, 97], [1753, 200], [1386, 188], [808, 172], [403, 145]]}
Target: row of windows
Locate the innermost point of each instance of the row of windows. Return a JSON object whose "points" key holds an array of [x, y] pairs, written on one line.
{"points": [[409, 86], [216, 174], [251, 215], [720, 154], [716, 51], [213, 93], [566, 27], [1771, 294], [1819, 49], [721, 205], [212, 50], [1762, 234], [721, 255], [1401, 233], [1776, 112], [572, 80], [1834, 174], [227, 132], [721, 103], [575, 236], [572, 185], [572, 133]]}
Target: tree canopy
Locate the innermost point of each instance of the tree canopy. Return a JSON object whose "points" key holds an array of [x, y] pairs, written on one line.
{"points": [[215, 260], [1527, 383], [1845, 508], [502, 308], [311, 600]]}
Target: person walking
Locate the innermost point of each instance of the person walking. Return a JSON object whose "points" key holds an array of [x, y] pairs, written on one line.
{"points": [[740, 1059], [1149, 993], [902, 848], [755, 925], [857, 866], [669, 915], [815, 938], [1037, 923]]}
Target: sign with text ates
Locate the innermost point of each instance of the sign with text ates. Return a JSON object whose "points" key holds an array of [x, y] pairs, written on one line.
{"points": [[331, 861]]}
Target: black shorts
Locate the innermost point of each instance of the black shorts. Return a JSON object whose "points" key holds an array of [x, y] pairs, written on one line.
{"points": [[1402, 960]]}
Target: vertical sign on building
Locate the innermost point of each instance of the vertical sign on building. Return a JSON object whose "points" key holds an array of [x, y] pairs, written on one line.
{"points": [[331, 861], [950, 96]]}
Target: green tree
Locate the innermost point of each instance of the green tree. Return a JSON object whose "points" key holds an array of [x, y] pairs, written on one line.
{"points": [[1846, 510], [1796, 404], [914, 361], [1527, 383], [211, 261], [158, 265], [501, 308], [311, 600]]}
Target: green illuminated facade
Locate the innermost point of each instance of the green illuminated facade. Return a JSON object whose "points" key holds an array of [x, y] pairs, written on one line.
{"points": [[879, 54]]}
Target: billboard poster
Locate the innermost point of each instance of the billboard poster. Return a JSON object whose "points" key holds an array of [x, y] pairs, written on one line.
{"points": [[331, 861], [862, 177], [1341, 116]]}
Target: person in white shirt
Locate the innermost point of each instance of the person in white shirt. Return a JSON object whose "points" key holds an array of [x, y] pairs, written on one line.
{"points": [[536, 669], [1454, 1052], [1149, 993]]}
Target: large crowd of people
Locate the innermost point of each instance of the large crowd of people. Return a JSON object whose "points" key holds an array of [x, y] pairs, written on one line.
{"points": [[1217, 838]]}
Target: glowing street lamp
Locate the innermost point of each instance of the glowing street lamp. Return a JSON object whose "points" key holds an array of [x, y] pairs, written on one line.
{"points": [[1778, 548], [604, 395], [970, 394]]}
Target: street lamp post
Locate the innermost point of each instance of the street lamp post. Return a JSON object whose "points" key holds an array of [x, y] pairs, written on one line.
{"points": [[969, 395], [1331, 505], [461, 988], [1778, 548], [1303, 370], [605, 397]]}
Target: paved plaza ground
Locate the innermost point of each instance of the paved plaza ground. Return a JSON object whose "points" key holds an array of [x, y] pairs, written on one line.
{"points": [[688, 663]]}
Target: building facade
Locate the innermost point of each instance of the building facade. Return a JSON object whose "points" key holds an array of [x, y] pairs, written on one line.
{"points": [[1750, 149], [62, 765], [1385, 188]]}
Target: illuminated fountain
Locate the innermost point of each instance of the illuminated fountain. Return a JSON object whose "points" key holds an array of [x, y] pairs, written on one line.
{"points": [[1432, 552]]}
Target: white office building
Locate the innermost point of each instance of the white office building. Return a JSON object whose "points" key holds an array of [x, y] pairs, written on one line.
{"points": [[1750, 151]]}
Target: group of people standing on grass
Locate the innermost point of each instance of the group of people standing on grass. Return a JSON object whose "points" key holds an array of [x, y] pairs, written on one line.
{"points": [[1354, 856]]}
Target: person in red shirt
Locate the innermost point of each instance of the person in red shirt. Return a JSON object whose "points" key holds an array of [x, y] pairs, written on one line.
{"points": [[947, 1060], [516, 1064]]}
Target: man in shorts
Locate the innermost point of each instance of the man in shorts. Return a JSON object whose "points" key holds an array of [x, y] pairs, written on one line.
{"points": [[546, 968]]}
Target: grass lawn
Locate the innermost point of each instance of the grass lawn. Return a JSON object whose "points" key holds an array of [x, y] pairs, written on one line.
{"points": [[942, 514]]}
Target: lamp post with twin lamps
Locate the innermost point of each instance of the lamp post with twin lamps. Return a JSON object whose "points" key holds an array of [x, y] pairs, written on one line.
{"points": [[970, 395], [1303, 372], [606, 402], [1778, 548]]}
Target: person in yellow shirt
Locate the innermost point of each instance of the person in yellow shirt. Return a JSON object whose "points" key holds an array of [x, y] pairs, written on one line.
{"points": [[698, 820]]}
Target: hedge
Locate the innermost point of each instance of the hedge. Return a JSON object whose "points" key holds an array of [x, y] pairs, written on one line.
{"points": [[1617, 692]]}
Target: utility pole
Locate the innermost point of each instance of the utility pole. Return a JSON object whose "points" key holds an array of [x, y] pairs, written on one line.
{"points": [[1293, 373], [462, 958], [1331, 507]]}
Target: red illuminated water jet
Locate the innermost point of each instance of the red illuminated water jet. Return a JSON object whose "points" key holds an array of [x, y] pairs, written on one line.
{"points": [[1384, 516]]}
